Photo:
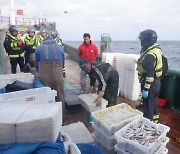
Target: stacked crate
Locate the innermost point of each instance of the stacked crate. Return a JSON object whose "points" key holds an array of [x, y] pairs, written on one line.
{"points": [[144, 143], [10, 78], [110, 120], [28, 116], [30, 123], [125, 64]]}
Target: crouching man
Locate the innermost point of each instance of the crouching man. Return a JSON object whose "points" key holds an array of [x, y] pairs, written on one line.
{"points": [[108, 79]]}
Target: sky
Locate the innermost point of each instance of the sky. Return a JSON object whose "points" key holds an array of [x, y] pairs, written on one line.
{"points": [[121, 19]]}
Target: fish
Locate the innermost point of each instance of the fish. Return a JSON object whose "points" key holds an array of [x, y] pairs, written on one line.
{"points": [[142, 133]]}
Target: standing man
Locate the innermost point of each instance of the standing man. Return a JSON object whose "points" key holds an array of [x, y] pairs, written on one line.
{"points": [[43, 35], [49, 62], [107, 77], [56, 38], [149, 72], [14, 47], [88, 51], [30, 44]]}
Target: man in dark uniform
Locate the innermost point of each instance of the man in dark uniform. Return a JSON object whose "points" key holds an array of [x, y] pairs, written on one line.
{"points": [[149, 72], [107, 77], [56, 38], [30, 44], [14, 47]]}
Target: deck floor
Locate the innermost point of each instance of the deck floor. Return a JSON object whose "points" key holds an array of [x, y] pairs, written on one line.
{"points": [[167, 116]]}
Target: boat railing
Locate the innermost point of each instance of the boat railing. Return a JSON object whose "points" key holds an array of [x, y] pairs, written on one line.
{"points": [[72, 51], [170, 89], [3, 55]]}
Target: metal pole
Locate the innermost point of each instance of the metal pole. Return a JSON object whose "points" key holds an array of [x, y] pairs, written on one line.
{"points": [[12, 13], [31, 21]]}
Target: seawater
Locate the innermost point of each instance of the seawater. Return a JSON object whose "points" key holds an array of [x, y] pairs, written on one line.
{"points": [[171, 49]]}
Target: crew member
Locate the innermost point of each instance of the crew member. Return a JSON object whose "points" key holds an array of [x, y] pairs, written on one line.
{"points": [[107, 77], [88, 51], [49, 62], [56, 38], [13, 45], [149, 72], [30, 44]]}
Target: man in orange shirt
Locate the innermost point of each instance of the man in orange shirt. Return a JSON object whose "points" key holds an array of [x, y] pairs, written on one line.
{"points": [[87, 50]]}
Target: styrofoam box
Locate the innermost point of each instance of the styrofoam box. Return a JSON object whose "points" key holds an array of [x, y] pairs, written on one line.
{"points": [[88, 102], [136, 148], [107, 141], [160, 150], [78, 133], [30, 123], [100, 119], [71, 148], [10, 78], [37, 95]]}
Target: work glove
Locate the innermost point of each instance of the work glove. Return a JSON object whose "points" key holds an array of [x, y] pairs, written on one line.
{"points": [[145, 94], [98, 101], [90, 89], [20, 44]]}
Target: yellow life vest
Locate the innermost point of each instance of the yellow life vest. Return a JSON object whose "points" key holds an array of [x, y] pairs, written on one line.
{"points": [[39, 40], [58, 41], [155, 51], [30, 41], [14, 42], [16, 50]]}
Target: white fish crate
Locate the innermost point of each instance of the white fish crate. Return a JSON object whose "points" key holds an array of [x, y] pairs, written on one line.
{"points": [[37, 95], [160, 150], [71, 148], [165, 151], [65, 138], [78, 133], [162, 146], [111, 119], [119, 151], [31, 123], [10, 78], [88, 102], [135, 147], [105, 149], [107, 141]]}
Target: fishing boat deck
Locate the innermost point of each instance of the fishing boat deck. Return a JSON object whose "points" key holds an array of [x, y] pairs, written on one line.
{"points": [[167, 115]]}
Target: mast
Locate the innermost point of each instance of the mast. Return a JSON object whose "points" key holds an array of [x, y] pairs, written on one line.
{"points": [[31, 21], [12, 13]]}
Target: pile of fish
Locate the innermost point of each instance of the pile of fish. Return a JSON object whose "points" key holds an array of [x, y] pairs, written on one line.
{"points": [[142, 134]]}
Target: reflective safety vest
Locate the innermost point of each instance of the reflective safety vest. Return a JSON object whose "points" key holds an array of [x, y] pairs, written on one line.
{"points": [[155, 51], [58, 41], [16, 51], [39, 40], [31, 41]]}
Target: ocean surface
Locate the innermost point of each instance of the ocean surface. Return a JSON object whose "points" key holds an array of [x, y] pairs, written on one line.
{"points": [[171, 49]]}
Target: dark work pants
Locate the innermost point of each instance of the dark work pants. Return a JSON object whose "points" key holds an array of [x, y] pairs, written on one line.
{"points": [[27, 55], [111, 90], [14, 62], [150, 106]]}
